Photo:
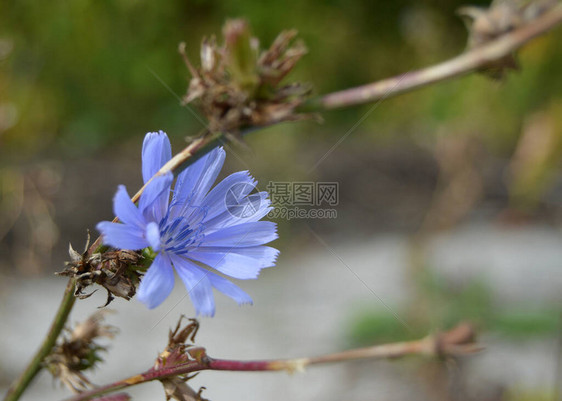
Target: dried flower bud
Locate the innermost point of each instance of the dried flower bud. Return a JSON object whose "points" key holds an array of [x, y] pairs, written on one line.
{"points": [[486, 24], [116, 271], [177, 353], [79, 352], [209, 55], [237, 86], [177, 389], [241, 54], [276, 62]]}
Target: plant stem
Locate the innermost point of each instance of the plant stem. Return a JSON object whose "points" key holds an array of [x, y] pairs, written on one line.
{"points": [[456, 342], [188, 155], [19, 386], [460, 65]]}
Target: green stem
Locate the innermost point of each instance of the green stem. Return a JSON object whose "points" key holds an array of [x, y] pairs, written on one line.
{"points": [[20, 385], [179, 162]]}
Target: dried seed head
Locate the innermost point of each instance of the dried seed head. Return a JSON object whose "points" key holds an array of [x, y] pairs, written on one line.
{"points": [[92, 328], [79, 351], [238, 86], [209, 55], [177, 389], [241, 54], [116, 271], [487, 24], [176, 353]]}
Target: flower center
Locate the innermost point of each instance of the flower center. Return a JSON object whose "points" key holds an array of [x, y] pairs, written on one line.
{"points": [[177, 236]]}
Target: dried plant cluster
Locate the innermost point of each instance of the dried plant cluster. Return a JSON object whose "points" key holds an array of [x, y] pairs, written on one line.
{"points": [[118, 271], [79, 352], [238, 86], [176, 353], [487, 24]]}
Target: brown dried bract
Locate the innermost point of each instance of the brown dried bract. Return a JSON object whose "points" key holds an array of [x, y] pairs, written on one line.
{"points": [[503, 16], [238, 86], [79, 351], [116, 271], [176, 353]]}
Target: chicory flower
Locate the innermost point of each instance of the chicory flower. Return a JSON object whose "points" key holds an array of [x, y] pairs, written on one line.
{"points": [[199, 232]]}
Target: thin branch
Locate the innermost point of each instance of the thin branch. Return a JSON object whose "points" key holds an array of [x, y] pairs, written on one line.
{"points": [[456, 342], [20, 384], [463, 64]]}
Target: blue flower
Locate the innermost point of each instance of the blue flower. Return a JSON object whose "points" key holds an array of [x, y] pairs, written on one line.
{"points": [[217, 228]]}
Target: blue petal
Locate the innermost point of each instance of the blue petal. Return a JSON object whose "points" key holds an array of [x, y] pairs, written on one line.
{"points": [[260, 207], [122, 236], [229, 194], [157, 283], [153, 202], [229, 289], [126, 210], [152, 234], [197, 283], [241, 235], [156, 151], [264, 207], [241, 263], [195, 182]]}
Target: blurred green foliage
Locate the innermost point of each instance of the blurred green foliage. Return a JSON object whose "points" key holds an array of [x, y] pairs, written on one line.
{"points": [[525, 324], [83, 78], [526, 395], [84, 74], [446, 303], [369, 327]]}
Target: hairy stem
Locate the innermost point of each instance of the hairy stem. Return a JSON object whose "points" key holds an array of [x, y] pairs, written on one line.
{"points": [[456, 342], [18, 387], [458, 66]]}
